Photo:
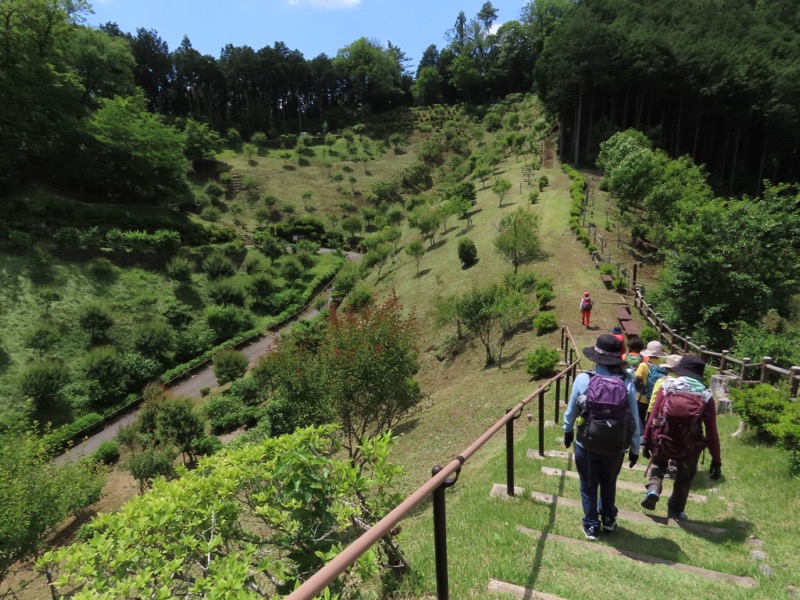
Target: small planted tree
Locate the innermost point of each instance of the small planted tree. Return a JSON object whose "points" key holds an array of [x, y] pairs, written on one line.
{"points": [[518, 238], [416, 250], [501, 187], [467, 252], [542, 362]]}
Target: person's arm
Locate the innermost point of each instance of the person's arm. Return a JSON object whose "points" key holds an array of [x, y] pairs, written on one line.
{"points": [[573, 411], [656, 388], [648, 429], [636, 441], [712, 435]]}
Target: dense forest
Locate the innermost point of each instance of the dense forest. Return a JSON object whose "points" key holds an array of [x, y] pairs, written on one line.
{"points": [[715, 80]]}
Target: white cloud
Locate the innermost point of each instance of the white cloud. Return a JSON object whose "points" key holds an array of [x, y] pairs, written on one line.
{"points": [[326, 4]]}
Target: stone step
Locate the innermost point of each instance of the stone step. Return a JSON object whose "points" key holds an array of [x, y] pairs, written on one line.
{"points": [[625, 515], [534, 454], [642, 558], [501, 587], [623, 485]]}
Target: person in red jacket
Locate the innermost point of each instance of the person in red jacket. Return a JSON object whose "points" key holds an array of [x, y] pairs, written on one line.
{"points": [[663, 440], [586, 309]]}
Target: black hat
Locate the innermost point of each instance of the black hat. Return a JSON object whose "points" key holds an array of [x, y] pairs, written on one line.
{"points": [[617, 329], [690, 366], [607, 351]]}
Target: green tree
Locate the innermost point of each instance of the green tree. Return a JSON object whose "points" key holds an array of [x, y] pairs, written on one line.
{"points": [[416, 250], [501, 187], [377, 257], [133, 152], [202, 142], [478, 312], [147, 465], [513, 307], [37, 495], [370, 359], [42, 338], [95, 320], [291, 494], [482, 171], [179, 424], [518, 238], [43, 382]]}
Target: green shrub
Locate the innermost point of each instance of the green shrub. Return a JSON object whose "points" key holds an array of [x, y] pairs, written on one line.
{"points": [[107, 453], [229, 365], [543, 182], [207, 445], [205, 391], [620, 284], [467, 252], [787, 431], [544, 284], [248, 390], [102, 269], [533, 197], [59, 438], [211, 214], [522, 281], [541, 362], [180, 269], [545, 322], [761, 407], [224, 413], [606, 269], [650, 333], [217, 266], [227, 321], [153, 340], [226, 292], [43, 382], [544, 297]]}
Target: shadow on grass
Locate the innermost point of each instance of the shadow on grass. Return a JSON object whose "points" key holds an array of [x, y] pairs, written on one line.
{"points": [[188, 295], [405, 427], [423, 272], [289, 168], [437, 245], [470, 265]]}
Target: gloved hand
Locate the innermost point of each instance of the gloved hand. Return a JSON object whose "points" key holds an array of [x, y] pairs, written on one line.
{"points": [[568, 437], [646, 452], [633, 458], [715, 472]]}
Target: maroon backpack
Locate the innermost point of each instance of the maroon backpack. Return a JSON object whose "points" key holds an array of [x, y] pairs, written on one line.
{"points": [[676, 427]]}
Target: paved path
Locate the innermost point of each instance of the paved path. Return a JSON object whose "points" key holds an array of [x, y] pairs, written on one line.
{"points": [[190, 387]]}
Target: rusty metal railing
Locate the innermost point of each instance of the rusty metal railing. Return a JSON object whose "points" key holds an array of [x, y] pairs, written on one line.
{"points": [[443, 478]]}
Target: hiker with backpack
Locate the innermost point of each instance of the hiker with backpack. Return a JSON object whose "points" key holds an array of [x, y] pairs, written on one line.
{"points": [[586, 306], [682, 424], [648, 373], [603, 407]]}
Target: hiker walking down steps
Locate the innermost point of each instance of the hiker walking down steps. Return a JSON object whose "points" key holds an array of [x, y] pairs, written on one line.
{"points": [[682, 409], [603, 406], [586, 309]]}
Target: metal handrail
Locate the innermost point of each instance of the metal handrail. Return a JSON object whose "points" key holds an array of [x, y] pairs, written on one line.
{"points": [[442, 477]]}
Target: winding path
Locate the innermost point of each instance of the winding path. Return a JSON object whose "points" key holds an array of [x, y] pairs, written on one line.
{"points": [[190, 388]]}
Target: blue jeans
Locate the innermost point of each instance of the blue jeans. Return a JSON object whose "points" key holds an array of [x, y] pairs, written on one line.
{"points": [[597, 470]]}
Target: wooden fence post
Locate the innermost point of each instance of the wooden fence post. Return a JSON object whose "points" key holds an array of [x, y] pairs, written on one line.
{"points": [[764, 370], [686, 344], [723, 362], [703, 350], [795, 381], [745, 362]]}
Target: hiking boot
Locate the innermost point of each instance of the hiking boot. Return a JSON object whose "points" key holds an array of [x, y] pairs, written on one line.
{"points": [[677, 515], [609, 523], [650, 500], [590, 532]]}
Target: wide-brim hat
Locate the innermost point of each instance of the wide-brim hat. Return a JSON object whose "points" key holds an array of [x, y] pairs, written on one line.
{"points": [[607, 350], [671, 361], [654, 348], [690, 366]]}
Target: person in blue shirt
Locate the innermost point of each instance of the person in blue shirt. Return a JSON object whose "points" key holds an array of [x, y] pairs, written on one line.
{"points": [[600, 470]]}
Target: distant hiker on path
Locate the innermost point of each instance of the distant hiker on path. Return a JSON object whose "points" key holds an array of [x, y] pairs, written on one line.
{"points": [[603, 406], [620, 335], [682, 409], [586, 309]]}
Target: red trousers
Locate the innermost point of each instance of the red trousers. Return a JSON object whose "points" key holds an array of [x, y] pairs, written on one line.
{"points": [[585, 314]]}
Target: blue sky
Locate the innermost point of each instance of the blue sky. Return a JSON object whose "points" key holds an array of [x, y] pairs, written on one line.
{"points": [[310, 26]]}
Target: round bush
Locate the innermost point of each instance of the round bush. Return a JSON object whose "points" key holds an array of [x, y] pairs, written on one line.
{"points": [[541, 362], [467, 252], [217, 266], [208, 445], [545, 322], [229, 365], [107, 453], [180, 269], [102, 269]]}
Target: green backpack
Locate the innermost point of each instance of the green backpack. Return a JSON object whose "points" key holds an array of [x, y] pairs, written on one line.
{"points": [[633, 360]]}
